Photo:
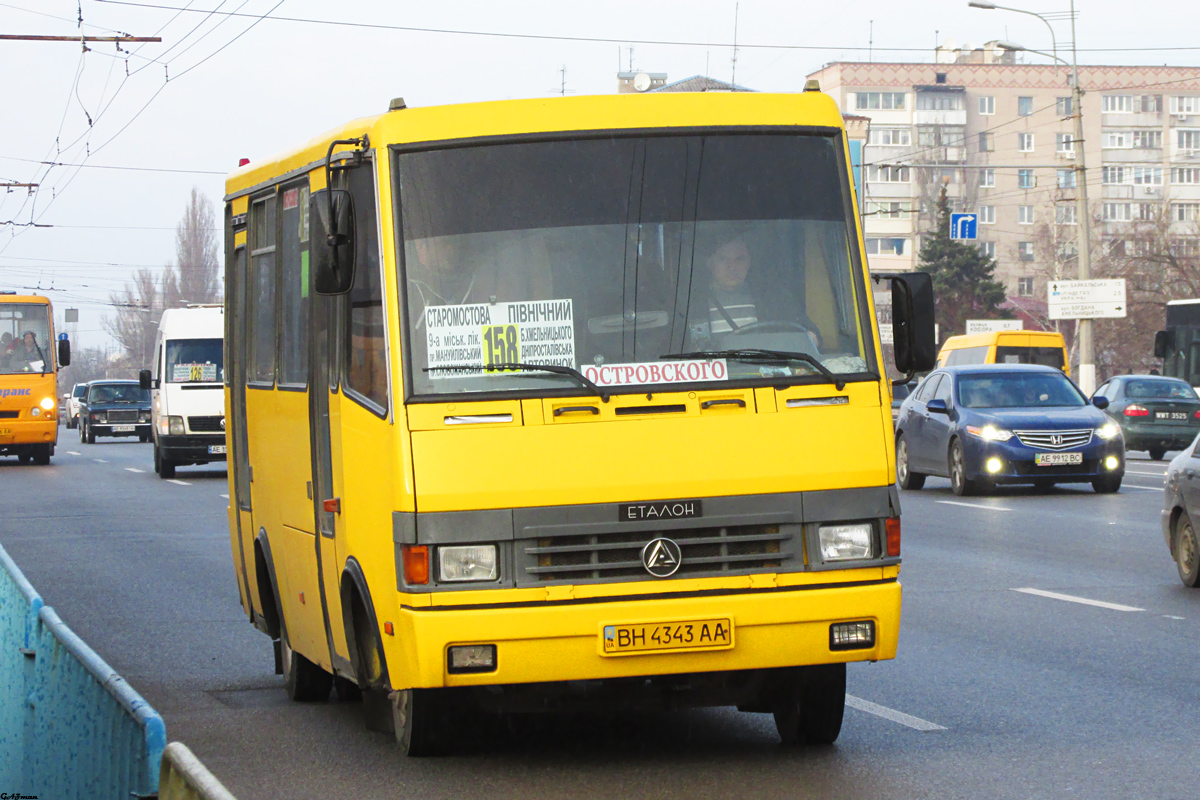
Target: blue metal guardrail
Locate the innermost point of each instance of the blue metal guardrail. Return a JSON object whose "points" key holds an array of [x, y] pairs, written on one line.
{"points": [[70, 726]]}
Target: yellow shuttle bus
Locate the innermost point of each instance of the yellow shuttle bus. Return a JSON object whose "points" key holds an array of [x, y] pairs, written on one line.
{"points": [[28, 374], [574, 402]]}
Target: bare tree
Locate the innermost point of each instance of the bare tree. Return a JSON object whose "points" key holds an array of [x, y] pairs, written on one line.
{"points": [[139, 307]]}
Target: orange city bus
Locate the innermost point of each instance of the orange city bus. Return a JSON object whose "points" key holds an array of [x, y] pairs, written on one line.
{"points": [[543, 402], [28, 375]]}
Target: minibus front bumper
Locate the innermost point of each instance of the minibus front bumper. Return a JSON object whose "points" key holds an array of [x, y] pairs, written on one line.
{"points": [[557, 640]]}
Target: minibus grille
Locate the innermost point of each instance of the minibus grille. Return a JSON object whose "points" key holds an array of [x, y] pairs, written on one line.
{"points": [[205, 424], [1055, 440], [122, 415], [618, 555]]}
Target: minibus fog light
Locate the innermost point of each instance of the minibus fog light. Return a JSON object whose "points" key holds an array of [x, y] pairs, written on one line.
{"points": [[472, 658], [470, 563], [35, 411], [1112, 462], [994, 465], [852, 635], [846, 542]]}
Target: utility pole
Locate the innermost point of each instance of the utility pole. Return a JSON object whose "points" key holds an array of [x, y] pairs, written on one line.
{"points": [[1087, 357]]}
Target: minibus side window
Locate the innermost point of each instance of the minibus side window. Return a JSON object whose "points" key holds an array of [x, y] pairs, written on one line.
{"points": [[294, 289], [366, 354], [262, 282]]}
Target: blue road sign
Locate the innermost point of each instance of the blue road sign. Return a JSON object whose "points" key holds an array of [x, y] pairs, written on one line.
{"points": [[962, 226], [62, 337]]}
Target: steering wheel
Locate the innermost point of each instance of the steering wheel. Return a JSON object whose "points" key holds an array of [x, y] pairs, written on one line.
{"points": [[772, 326]]}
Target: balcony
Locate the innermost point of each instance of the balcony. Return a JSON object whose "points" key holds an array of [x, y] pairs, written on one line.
{"points": [[939, 117]]}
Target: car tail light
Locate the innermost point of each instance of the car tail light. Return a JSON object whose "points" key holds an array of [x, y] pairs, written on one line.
{"points": [[1196, 415], [1134, 410]]}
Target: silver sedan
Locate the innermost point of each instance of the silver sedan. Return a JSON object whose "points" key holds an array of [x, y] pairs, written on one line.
{"points": [[1181, 513]]}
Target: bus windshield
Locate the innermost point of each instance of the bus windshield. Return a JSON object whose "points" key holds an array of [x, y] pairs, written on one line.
{"points": [[25, 339], [636, 260], [194, 361]]}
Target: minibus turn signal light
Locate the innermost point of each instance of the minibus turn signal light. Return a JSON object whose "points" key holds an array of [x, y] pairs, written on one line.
{"points": [[416, 564], [892, 528]]}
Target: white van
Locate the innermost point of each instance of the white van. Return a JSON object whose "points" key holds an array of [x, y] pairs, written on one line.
{"points": [[187, 388]]}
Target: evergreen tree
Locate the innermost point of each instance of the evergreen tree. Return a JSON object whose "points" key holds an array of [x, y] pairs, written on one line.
{"points": [[964, 284]]}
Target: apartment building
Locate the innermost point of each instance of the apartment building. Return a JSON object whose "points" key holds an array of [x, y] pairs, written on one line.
{"points": [[999, 136]]}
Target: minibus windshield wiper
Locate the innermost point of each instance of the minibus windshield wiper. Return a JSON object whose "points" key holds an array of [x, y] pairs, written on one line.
{"points": [[754, 355], [515, 365]]}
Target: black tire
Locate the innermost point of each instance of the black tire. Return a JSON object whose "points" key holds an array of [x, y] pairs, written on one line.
{"points": [[1107, 484], [956, 468], [347, 690], [24, 458], [41, 454], [82, 425], [303, 680], [143, 437], [905, 476], [1157, 453], [89, 436], [165, 467], [418, 719], [1187, 552], [811, 711]]}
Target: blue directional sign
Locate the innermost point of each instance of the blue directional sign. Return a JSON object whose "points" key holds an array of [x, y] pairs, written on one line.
{"points": [[962, 226], [62, 337]]}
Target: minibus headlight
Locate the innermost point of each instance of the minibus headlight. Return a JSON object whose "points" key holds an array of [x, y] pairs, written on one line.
{"points": [[846, 542], [1108, 430], [470, 563], [175, 426], [48, 403]]}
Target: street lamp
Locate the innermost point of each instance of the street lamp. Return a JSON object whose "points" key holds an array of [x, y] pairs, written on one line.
{"points": [[1087, 360]]}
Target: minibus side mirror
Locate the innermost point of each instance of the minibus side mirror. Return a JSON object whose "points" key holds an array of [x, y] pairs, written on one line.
{"points": [[1100, 401], [913, 321], [937, 406], [144, 379], [332, 212], [64, 353], [1162, 343]]}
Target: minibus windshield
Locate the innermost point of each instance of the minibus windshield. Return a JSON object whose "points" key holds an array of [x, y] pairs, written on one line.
{"points": [[25, 338], [194, 361], [625, 257]]}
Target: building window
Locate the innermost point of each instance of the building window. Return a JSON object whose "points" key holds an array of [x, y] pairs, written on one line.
{"points": [[1185, 212], [1064, 213], [987, 105], [1118, 104], [1114, 140], [987, 178], [1147, 176], [1146, 212], [1147, 140], [1112, 175], [1025, 179], [1184, 246], [1065, 178], [1025, 142], [1185, 175], [987, 248], [1185, 105], [939, 77], [1118, 212], [885, 210], [987, 215], [1024, 106], [879, 100], [1024, 215], [886, 174], [890, 137], [1068, 249], [1063, 106], [1188, 140], [1025, 251], [1064, 143], [939, 101], [1150, 104], [1025, 287], [985, 142], [885, 247]]}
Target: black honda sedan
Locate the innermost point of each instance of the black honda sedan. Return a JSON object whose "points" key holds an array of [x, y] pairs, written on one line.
{"points": [[114, 408], [988, 424]]}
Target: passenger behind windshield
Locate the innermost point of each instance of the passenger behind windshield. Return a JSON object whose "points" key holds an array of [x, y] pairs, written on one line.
{"points": [[1018, 390]]}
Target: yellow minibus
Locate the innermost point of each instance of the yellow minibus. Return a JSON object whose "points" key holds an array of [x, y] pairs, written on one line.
{"points": [[565, 401], [28, 377], [1006, 347]]}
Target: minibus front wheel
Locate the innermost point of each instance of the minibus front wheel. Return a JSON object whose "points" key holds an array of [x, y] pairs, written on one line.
{"points": [[419, 720], [810, 704]]}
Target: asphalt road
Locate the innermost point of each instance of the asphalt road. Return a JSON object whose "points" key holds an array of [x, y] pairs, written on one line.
{"points": [[1006, 686]]}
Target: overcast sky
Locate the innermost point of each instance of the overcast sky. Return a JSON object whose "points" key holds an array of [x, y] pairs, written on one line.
{"points": [[222, 87]]}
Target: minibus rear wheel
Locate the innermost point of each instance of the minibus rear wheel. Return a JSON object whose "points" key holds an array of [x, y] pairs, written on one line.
{"points": [[303, 680]]}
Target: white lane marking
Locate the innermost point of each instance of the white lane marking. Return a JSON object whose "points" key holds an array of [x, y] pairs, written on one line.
{"points": [[72, 453], [1081, 600], [99, 460], [891, 714], [1141, 488], [1172, 616], [1129, 471], [178, 482], [973, 505], [134, 469], [225, 496]]}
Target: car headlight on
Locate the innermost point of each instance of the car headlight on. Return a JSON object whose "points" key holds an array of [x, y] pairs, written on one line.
{"points": [[1109, 430], [175, 426], [467, 563], [47, 403], [846, 542], [990, 433]]}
